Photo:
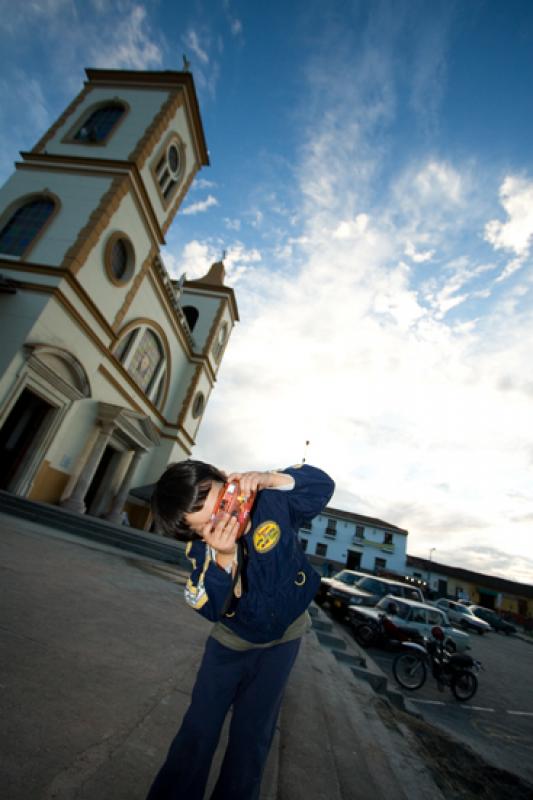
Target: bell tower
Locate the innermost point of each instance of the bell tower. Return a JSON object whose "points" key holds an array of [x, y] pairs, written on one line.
{"points": [[102, 379]]}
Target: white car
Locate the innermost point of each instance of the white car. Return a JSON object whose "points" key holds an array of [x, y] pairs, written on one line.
{"points": [[414, 616], [462, 615]]}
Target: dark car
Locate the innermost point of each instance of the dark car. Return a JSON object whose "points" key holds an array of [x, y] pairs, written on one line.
{"points": [[494, 619], [344, 580], [367, 592]]}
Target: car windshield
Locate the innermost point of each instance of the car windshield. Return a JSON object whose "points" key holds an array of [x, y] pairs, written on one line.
{"points": [[347, 578], [372, 585]]}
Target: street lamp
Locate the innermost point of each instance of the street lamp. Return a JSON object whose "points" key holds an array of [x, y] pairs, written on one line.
{"points": [[429, 566]]}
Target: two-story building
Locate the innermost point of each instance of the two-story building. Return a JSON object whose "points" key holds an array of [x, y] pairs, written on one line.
{"points": [[457, 583], [344, 539]]}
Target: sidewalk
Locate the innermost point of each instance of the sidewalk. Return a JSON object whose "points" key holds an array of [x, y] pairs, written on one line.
{"points": [[98, 657]]}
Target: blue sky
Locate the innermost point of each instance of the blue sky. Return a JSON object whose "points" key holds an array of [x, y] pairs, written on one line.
{"points": [[372, 184]]}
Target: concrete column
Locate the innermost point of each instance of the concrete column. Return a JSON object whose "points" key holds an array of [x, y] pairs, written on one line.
{"points": [[115, 512], [76, 501]]}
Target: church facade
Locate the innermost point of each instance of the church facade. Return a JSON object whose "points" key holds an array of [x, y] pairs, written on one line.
{"points": [[106, 364]]}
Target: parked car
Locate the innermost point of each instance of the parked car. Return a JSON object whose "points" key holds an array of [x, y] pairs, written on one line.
{"points": [[494, 619], [367, 591], [346, 578], [462, 615], [413, 617]]}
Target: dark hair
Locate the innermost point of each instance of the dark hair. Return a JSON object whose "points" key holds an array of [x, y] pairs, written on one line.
{"points": [[182, 489]]}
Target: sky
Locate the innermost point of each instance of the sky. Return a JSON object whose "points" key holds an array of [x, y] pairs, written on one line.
{"points": [[371, 182]]}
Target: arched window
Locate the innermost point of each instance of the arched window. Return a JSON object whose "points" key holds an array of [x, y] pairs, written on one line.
{"points": [[24, 225], [191, 315], [220, 341], [169, 167], [142, 354], [98, 125]]}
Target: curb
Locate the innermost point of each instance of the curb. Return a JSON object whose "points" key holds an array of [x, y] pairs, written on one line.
{"points": [[348, 653]]}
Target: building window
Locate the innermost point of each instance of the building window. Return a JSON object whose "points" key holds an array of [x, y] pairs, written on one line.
{"points": [[359, 531], [321, 549], [218, 347], [99, 125], [119, 259], [169, 167], [191, 315], [303, 542], [387, 538], [379, 564], [142, 355], [25, 225], [306, 525], [198, 405], [331, 528]]}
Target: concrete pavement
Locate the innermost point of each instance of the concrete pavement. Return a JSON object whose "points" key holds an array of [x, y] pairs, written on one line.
{"points": [[99, 654]]}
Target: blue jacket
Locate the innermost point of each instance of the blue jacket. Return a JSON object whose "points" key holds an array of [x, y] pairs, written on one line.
{"points": [[278, 581]]}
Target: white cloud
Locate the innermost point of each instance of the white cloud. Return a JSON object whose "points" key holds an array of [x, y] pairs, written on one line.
{"points": [[516, 197], [232, 224], [192, 41], [129, 45], [236, 27], [418, 256], [201, 205]]}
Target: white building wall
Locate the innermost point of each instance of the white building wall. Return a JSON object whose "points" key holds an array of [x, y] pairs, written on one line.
{"points": [[207, 308], [371, 546], [79, 197], [93, 277]]}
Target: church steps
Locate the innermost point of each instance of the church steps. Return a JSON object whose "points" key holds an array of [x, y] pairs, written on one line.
{"points": [[99, 530]]}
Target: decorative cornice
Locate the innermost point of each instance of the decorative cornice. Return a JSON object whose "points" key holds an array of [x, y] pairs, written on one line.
{"points": [[179, 199], [213, 330], [136, 285], [188, 397], [97, 223], [155, 130]]}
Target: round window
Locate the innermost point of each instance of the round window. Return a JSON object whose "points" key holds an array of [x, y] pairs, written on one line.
{"points": [[173, 159], [198, 405], [119, 259]]}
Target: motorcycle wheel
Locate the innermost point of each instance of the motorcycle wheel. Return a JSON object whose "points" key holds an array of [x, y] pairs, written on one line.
{"points": [[409, 670], [364, 634], [464, 685]]}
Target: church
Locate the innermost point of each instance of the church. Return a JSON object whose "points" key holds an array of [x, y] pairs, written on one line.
{"points": [[107, 363]]}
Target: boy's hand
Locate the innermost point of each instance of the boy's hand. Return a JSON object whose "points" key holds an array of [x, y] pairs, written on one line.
{"points": [[221, 535], [255, 481]]}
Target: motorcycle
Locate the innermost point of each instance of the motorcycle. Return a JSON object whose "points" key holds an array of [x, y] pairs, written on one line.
{"points": [[457, 670]]}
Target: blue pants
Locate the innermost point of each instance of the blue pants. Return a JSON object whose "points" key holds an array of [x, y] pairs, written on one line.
{"points": [[253, 682]]}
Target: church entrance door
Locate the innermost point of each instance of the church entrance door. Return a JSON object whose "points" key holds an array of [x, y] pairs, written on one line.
{"points": [[99, 480], [19, 432]]}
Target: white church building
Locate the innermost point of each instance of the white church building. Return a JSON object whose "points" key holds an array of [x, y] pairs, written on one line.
{"points": [[106, 363]]}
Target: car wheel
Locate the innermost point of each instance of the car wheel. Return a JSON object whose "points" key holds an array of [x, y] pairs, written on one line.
{"points": [[364, 634]]}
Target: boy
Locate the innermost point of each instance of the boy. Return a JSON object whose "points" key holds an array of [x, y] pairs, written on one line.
{"points": [[257, 591]]}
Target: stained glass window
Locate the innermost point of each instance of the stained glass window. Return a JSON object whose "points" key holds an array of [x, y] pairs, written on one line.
{"points": [[146, 359], [100, 124], [24, 225]]}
